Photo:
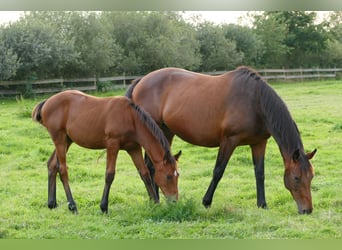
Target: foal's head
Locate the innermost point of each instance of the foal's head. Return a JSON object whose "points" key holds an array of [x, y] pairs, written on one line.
{"points": [[297, 178], [166, 177]]}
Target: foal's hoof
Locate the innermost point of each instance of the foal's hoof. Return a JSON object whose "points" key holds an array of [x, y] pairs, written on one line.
{"points": [[155, 200], [73, 208], [52, 204]]}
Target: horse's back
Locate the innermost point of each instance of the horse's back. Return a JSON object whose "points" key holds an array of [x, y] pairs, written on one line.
{"points": [[185, 102], [168, 88], [199, 108]]}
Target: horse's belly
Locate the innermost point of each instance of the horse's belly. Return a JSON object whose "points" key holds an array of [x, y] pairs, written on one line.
{"points": [[201, 133]]}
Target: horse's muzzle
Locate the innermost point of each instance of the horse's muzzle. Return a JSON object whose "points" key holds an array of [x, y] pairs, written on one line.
{"points": [[172, 198], [305, 211]]}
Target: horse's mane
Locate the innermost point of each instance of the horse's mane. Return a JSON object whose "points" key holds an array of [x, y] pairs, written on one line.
{"points": [[131, 87], [276, 114], [155, 130]]}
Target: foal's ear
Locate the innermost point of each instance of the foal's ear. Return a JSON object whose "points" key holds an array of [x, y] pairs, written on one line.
{"points": [[178, 155], [312, 154], [295, 155]]}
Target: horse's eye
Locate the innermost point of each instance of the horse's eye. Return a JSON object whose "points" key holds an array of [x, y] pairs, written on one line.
{"points": [[169, 177], [297, 179]]}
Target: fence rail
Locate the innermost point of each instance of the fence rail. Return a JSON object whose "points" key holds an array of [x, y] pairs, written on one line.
{"points": [[93, 83]]}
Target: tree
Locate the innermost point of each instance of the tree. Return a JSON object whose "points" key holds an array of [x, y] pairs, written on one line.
{"points": [[332, 55], [39, 49], [8, 61], [151, 40], [98, 50], [305, 39], [218, 53], [171, 42], [247, 42], [272, 33]]}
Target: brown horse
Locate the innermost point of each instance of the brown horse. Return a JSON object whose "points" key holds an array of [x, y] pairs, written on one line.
{"points": [[229, 110], [105, 123]]}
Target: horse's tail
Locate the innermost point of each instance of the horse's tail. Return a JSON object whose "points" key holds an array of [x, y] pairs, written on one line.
{"points": [[131, 87], [36, 113]]}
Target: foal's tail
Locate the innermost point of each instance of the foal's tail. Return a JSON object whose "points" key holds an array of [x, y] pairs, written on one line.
{"points": [[131, 87], [36, 113]]}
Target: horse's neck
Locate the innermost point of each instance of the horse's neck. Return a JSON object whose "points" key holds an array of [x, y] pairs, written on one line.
{"points": [[288, 147], [279, 122]]}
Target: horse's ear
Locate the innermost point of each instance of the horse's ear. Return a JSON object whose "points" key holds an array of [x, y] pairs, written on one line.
{"points": [[178, 155], [295, 155], [312, 154]]}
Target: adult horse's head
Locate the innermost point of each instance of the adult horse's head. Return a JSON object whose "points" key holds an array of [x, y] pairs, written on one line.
{"points": [[166, 177], [297, 178]]}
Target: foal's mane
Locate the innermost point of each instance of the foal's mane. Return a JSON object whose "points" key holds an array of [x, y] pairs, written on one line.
{"points": [[276, 114], [155, 130]]}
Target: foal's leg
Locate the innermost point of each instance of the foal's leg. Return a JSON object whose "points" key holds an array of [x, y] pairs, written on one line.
{"points": [[62, 147], [169, 136], [148, 163], [144, 172], [112, 154], [258, 154], [225, 151], [52, 173]]}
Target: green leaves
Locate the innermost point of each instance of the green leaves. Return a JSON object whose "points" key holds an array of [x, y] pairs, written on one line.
{"points": [[71, 44]]}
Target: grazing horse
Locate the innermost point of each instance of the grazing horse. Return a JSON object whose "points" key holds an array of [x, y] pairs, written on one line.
{"points": [[228, 110], [105, 123]]}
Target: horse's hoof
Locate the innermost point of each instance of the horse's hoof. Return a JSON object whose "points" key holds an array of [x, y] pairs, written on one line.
{"points": [[263, 206], [206, 204], [104, 209]]}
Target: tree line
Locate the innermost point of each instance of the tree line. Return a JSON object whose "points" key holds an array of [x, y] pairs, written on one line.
{"points": [[48, 44]]}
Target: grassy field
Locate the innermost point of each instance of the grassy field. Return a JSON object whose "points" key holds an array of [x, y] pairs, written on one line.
{"points": [[25, 147]]}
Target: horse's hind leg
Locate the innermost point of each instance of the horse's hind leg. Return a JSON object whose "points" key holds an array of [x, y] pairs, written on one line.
{"points": [[52, 173], [109, 178]]}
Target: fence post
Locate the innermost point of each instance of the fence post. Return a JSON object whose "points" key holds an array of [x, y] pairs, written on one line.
{"points": [[124, 78], [95, 80], [319, 76]]}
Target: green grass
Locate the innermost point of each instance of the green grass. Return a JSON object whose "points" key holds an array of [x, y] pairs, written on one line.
{"points": [[25, 147]]}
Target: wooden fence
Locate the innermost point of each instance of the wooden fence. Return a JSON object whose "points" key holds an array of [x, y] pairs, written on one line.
{"points": [[294, 74], [88, 84]]}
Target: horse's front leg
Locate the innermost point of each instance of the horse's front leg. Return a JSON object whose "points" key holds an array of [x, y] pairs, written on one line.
{"points": [[225, 151], [109, 177], [52, 165], [258, 154]]}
